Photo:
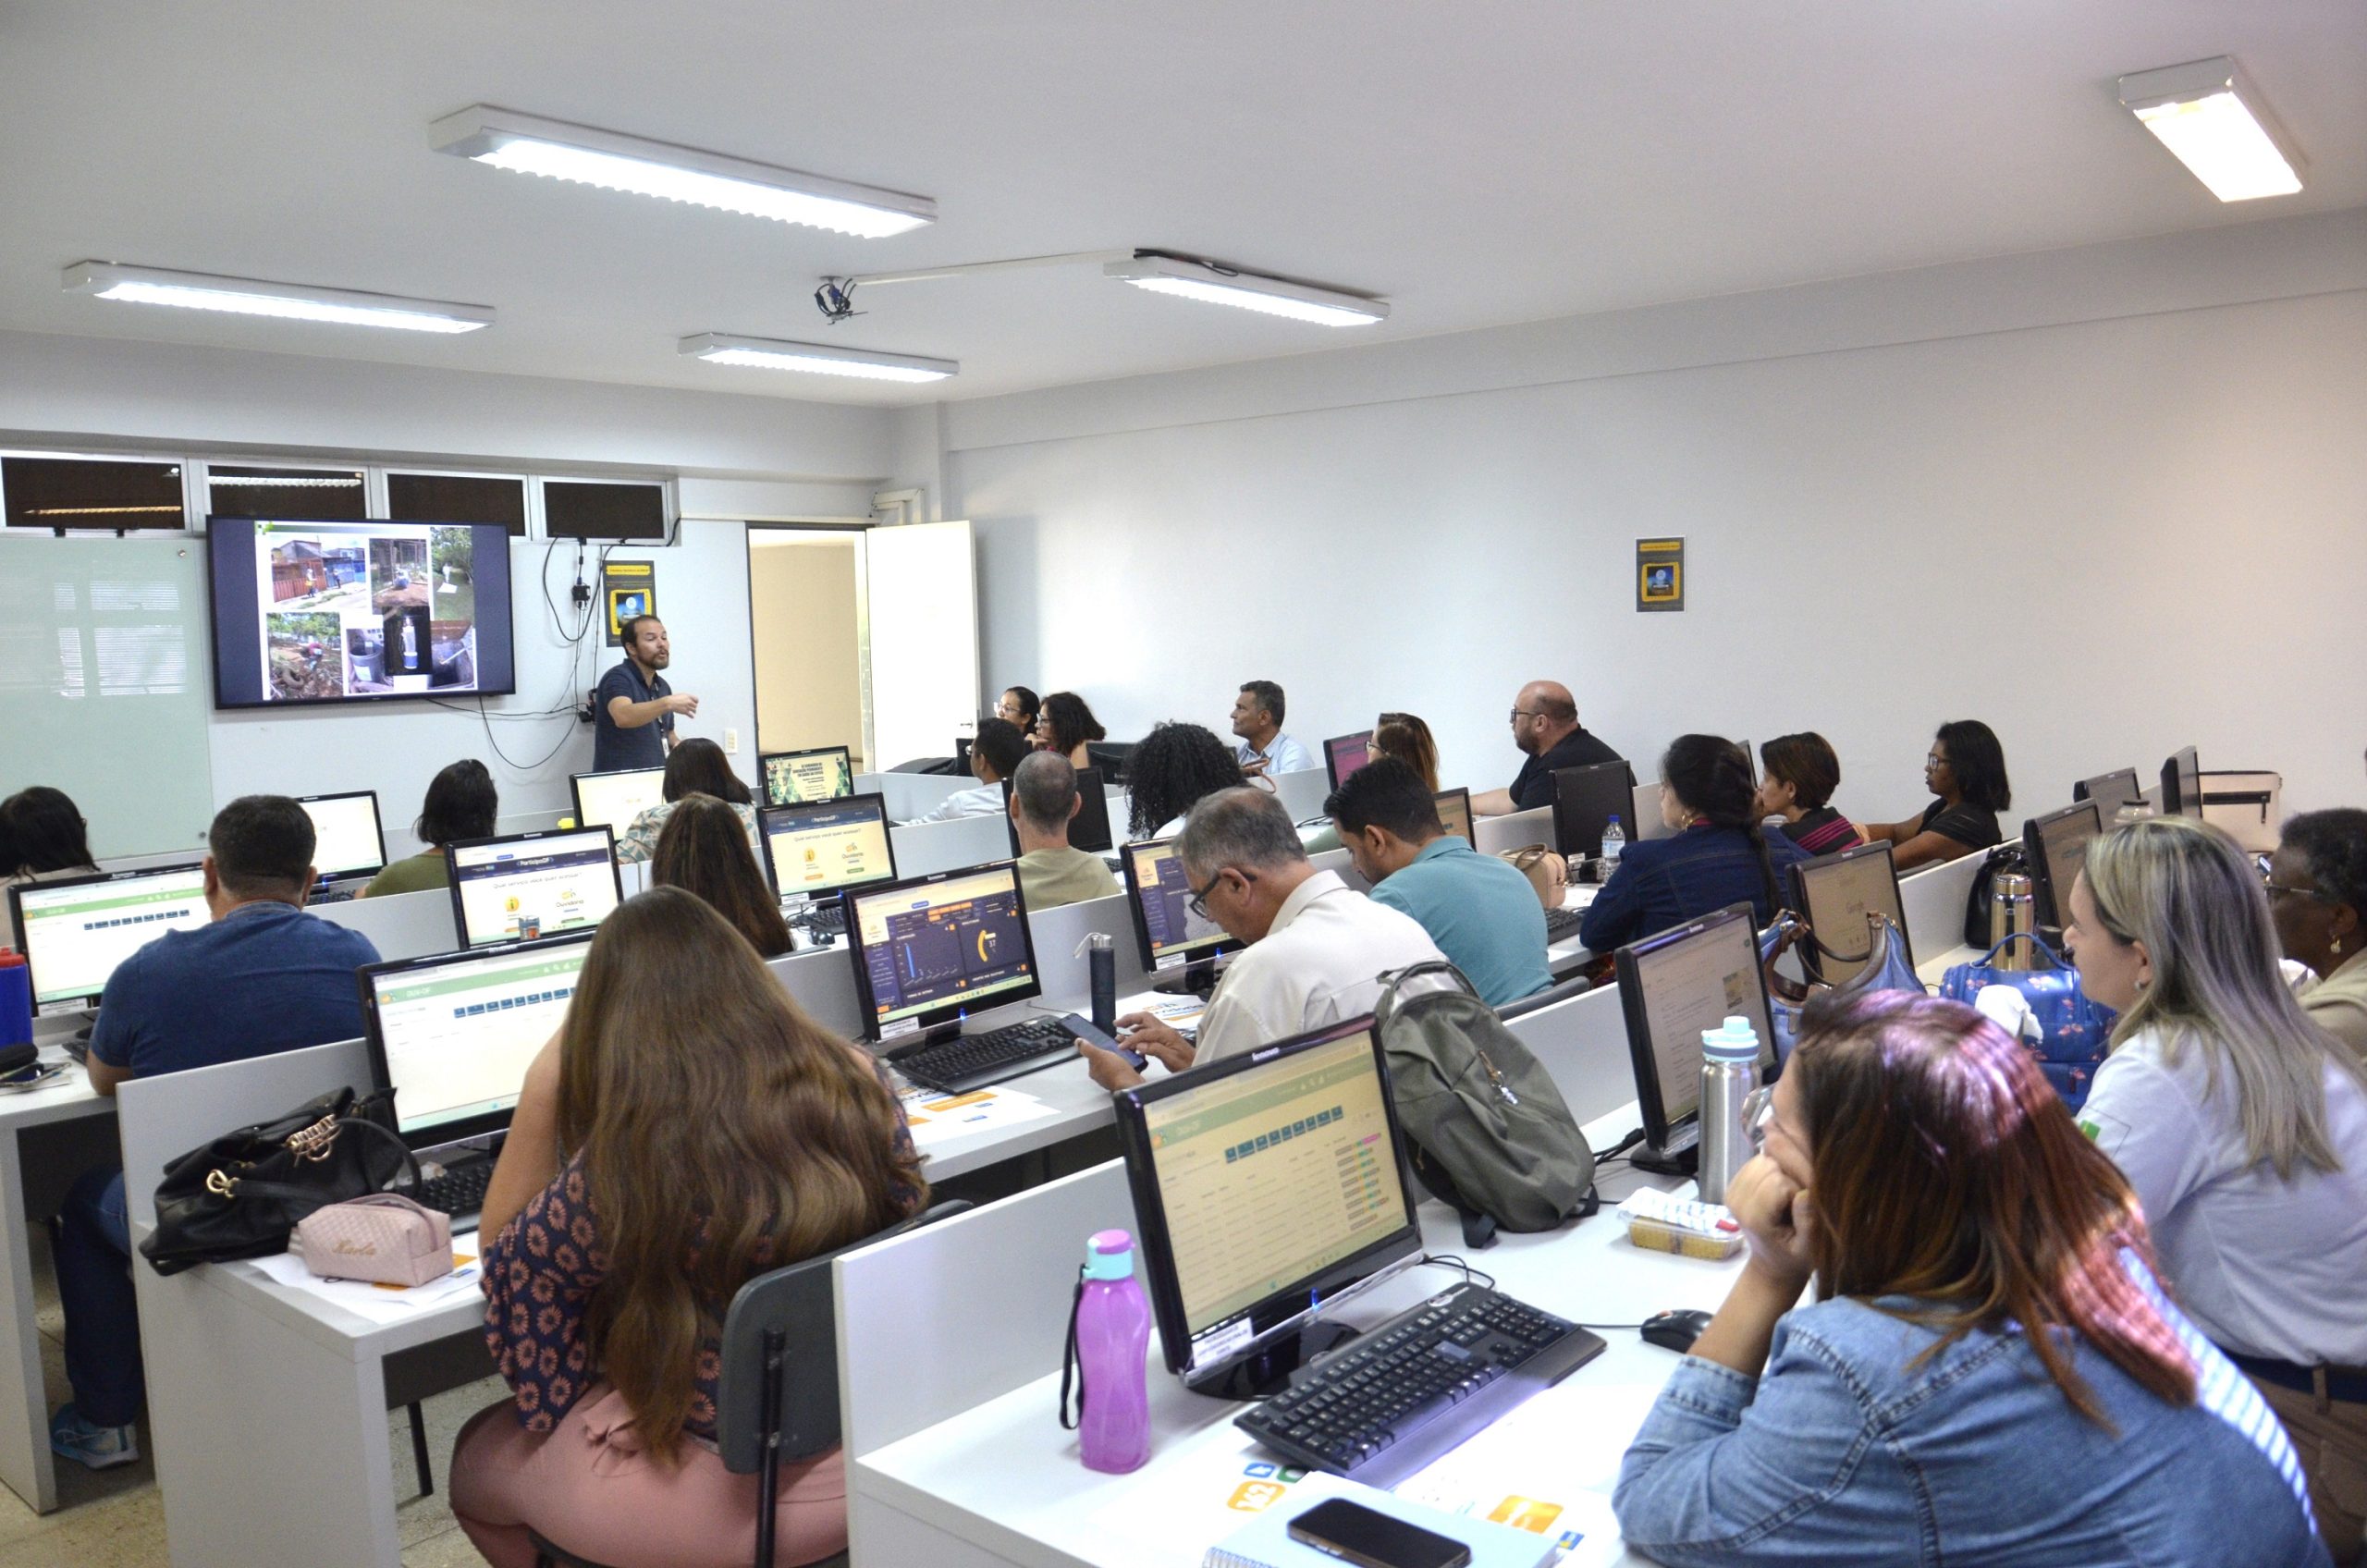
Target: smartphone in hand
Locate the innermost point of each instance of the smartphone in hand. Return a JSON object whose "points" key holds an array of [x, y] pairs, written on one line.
{"points": [[1085, 1029]]}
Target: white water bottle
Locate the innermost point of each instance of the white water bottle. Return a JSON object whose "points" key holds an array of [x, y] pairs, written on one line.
{"points": [[1615, 841]]}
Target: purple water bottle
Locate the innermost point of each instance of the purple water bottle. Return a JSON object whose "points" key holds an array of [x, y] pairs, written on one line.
{"points": [[1112, 1333]]}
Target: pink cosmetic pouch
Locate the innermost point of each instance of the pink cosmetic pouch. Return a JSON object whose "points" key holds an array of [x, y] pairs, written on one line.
{"points": [[385, 1239]]}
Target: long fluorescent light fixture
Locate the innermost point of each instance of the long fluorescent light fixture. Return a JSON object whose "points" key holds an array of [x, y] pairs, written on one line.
{"points": [[2211, 117], [530, 144], [251, 297], [773, 353], [1251, 291]]}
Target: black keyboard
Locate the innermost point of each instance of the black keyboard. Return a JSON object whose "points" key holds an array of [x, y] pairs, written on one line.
{"points": [[1393, 1401], [459, 1192], [972, 1062], [1561, 924], [824, 920]]}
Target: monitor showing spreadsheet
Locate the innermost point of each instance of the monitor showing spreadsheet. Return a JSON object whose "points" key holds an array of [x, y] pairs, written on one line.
{"points": [[1263, 1183], [453, 1034], [522, 885], [76, 929]]}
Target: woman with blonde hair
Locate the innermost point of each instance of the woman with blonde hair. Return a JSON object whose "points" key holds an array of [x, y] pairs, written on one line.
{"points": [[1988, 1373], [687, 1129], [2242, 1126], [1406, 738]]}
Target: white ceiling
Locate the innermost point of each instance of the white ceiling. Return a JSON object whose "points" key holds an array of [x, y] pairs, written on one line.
{"points": [[1473, 163]]}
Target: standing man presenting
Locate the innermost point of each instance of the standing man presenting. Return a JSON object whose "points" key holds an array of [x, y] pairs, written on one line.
{"points": [[1546, 729], [633, 709]]}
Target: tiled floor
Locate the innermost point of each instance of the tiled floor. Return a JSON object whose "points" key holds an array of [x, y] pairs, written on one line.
{"points": [[116, 1518]]}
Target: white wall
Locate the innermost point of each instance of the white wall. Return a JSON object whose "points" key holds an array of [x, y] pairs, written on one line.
{"points": [[2109, 500], [737, 456]]}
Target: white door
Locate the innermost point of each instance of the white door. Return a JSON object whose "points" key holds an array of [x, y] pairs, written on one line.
{"points": [[921, 686]]}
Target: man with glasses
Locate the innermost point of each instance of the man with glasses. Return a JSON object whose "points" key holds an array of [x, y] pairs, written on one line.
{"points": [[1316, 947], [1546, 729]]}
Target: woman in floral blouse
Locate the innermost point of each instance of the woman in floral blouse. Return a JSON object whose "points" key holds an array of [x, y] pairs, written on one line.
{"points": [[660, 1156], [694, 767]]}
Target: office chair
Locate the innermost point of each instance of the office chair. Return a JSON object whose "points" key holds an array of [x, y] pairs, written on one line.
{"points": [[771, 1405], [1110, 758], [1577, 985]]}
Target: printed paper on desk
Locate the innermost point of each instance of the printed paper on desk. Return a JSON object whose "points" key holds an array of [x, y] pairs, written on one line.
{"points": [[383, 1304], [1546, 1466], [934, 1118]]}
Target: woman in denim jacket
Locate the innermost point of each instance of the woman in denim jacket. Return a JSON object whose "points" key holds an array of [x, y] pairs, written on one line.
{"points": [[1919, 1167]]}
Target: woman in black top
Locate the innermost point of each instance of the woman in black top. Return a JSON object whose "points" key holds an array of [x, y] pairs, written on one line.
{"points": [[1967, 771]]}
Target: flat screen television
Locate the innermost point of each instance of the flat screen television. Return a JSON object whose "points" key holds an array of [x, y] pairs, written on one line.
{"points": [[357, 612]]}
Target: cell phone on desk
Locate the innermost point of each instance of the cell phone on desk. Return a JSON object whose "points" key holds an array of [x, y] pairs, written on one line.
{"points": [[1085, 1029], [1354, 1533]]}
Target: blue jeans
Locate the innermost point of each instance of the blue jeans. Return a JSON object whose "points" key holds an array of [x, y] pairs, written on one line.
{"points": [[94, 1287]]}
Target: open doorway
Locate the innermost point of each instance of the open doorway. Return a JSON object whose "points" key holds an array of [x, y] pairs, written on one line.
{"points": [[805, 614]]}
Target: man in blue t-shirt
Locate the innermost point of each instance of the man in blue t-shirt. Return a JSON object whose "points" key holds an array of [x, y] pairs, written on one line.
{"points": [[262, 978], [1482, 914], [633, 709]]}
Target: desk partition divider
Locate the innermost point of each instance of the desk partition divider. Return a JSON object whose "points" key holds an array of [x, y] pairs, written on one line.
{"points": [[926, 847], [163, 1118], [821, 981], [1932, 898], [401, 925], [957, 1313], [1494, 834], [1582, 1045], [1303, 793], [909, 795]]}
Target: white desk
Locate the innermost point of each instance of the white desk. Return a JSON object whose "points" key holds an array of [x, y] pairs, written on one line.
{"points": [[47, 1139], [996, 1481]]}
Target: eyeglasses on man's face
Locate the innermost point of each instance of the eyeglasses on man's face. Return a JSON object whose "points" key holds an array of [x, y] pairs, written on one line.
{"points": [[1197, 904]]}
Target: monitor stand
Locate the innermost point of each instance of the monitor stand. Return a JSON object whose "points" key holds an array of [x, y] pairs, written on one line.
{"points": [[1676, 1157], [1271, 1370]]}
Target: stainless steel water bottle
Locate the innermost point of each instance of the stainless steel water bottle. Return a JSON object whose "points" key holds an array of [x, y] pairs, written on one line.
{"points": [[1729, 1072], [2012, 912]]}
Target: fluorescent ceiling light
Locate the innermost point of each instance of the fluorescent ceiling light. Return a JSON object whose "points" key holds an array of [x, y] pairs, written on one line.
{"points": [[248, 296], [530, 144], [772, 353], [1226, 286], [2208, 113], [284, 482]]}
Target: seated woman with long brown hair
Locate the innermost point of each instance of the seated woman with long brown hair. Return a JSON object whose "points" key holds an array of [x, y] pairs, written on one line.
{"points": [[687, 1129], [1989, 1373], [704, 850]]}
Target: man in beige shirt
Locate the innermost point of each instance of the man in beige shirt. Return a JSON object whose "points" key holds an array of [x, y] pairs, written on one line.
{"points": [[1044, 799]]}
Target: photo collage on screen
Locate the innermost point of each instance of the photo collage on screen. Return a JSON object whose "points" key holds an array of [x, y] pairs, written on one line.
{"points": [[362, 610]]}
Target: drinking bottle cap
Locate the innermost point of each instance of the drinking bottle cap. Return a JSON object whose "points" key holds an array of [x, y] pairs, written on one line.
{"points": [[1109, 1255], [1733, 1041]]}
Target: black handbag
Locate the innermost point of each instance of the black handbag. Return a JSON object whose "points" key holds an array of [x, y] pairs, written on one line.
{"points": [[242, 1195]]}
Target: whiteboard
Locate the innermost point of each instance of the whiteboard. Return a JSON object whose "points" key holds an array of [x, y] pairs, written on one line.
{"points": [[105, 689]]}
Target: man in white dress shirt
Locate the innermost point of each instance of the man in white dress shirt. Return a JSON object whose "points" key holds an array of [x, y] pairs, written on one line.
{"points": [[1316, 947], [1258, 720], [995, 755]]}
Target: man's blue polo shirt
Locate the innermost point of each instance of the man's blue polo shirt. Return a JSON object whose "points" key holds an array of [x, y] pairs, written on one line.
{"points": [[266, 978], [1481, 912]]}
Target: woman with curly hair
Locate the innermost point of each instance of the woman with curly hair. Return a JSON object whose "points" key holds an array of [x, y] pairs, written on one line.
{"points": [[1176, 764]]}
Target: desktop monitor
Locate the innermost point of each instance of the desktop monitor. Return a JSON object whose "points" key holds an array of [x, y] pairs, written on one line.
{"points": [[1584, 799], [612, 800], [453, 1034], [2056, 846], [1263, 1185], [819, 848], [2182, 785], [1089, 828], [1672, 987], [933, 949], [347, 839], [2110, 791], [1837, 893], [521, 886], [1454, 813], [1344, 754], [76, 929], [822, 773], [1160, 896]]}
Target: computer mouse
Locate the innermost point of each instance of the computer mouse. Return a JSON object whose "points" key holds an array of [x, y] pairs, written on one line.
{"points": [[1675, 1331]]}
